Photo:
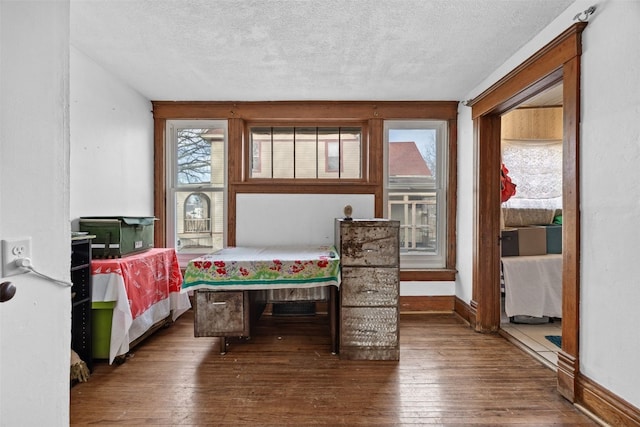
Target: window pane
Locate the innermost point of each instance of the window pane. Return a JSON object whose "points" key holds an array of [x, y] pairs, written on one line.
{"points": [[195, 149], [195, 202], [199, 221], [351, 152], [329, 144], [261, 152], [306, 153], [333, 156], [417, 213], [416, 189], [412, 156], [283, 152]]}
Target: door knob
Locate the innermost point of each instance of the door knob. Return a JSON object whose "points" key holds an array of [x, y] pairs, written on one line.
{"points": [[7, 291]]}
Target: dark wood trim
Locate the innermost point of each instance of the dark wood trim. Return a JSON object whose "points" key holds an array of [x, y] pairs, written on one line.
{"points": [[570, 227], [473, 313], [436, 303], [304, 186], [234, 173], [567, 372], [376, 136], [520, 84], [444, 275], [607, 406], [486, 266], [305, 110], [452, 196], [557, 61], [231, 220], [159, 183], [463, 310]]}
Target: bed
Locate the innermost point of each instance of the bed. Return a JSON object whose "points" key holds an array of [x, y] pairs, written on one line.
{"points": [[233, 285], [146, 291], [533, 285]]}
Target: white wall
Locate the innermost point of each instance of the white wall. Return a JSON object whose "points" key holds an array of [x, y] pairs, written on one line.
{"points": [[289, 219], [34, 201], [466, 197], [609, 155], [610, 147], [111, 144]]}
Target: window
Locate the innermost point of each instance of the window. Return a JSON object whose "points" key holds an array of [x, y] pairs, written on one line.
{"points": [[306, 152], [196, 180], [309, 147], [416, 187]]}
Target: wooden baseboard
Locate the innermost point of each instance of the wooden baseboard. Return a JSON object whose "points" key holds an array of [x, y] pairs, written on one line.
{"points": [[605, 405], [567, 374], [408, 304], [465, 311], [442, 303]]}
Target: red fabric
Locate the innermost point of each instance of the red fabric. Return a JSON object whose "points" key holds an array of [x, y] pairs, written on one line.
{"points": [[148, 277], [507, 188]]}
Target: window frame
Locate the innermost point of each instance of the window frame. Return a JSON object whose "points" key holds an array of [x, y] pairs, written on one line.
{"points": [[414, 260], [247, 149], [170, 219]]}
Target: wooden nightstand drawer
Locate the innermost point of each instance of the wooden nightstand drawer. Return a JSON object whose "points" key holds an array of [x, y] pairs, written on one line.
{"points": [[220, 314], [369, 286]]}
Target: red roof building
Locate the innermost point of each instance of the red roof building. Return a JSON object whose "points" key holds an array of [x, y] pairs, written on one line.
{"points": [[406, 160]]}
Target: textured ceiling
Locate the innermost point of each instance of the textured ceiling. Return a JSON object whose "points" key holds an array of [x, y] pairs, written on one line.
{"points": [[257, 50]]}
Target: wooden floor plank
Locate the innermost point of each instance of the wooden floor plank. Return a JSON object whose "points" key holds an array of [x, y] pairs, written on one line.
{"points": [[285, 375]]}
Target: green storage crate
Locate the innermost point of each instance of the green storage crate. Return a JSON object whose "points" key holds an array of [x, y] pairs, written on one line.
{"points": [[554, 239], [119, 235], [101, 315]]}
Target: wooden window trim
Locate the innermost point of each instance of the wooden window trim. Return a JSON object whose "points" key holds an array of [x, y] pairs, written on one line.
{"points": [[369, 114]]}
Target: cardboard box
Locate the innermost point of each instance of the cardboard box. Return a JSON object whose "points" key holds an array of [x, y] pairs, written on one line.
{"points": [[119, 236], [554, 239], [532, 240], [509, 242]]}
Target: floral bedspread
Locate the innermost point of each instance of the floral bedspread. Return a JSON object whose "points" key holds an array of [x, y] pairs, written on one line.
{"points": [[270, 267]]}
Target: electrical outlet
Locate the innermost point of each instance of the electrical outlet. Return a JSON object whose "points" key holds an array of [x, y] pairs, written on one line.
{"points": [[13, 249]]}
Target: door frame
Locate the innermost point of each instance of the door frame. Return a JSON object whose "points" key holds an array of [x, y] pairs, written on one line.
{"points": [[558, 61]]}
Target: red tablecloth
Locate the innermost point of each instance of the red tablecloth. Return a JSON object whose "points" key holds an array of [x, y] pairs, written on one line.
{"points": [[149, 277], [145, 288]]}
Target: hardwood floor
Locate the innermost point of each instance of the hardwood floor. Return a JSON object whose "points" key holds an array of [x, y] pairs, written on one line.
{"points": [[285, 375]]}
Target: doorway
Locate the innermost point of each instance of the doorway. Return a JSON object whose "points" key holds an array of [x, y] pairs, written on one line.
{"points": [[557, 62], [531, 226]]}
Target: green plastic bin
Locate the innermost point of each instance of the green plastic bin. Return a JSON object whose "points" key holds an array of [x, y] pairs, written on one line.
{"points": [[101, 315]]}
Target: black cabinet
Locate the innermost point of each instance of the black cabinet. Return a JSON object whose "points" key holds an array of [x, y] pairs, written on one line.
{"points": [[81, 298]]}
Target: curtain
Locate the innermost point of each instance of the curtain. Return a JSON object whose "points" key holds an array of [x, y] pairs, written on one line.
{"points": [[535, 166]]}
